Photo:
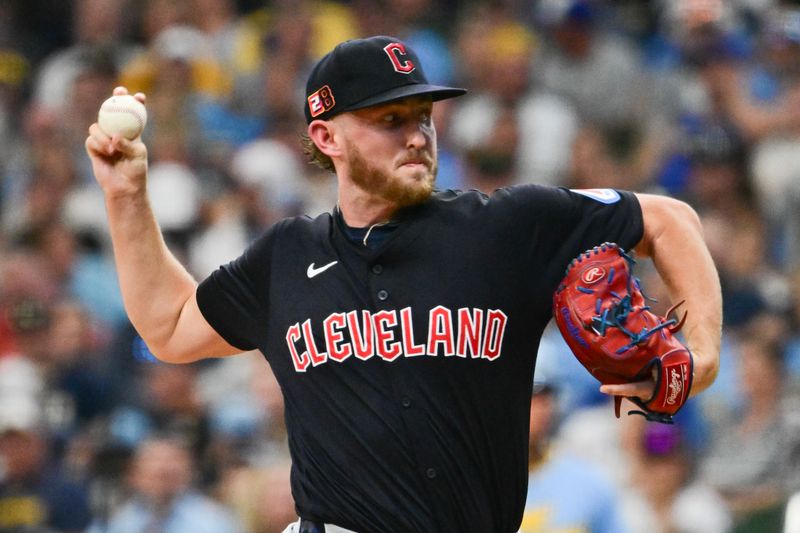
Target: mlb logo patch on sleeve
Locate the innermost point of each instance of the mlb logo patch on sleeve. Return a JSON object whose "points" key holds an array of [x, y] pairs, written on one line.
{"points": [[605, 196]]}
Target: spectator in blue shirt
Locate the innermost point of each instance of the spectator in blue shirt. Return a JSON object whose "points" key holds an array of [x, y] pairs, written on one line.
{"points": [[565, 492], [163, 497]]}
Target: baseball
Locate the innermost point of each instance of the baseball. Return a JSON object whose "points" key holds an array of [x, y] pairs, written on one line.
{"points": [[122, 114]]}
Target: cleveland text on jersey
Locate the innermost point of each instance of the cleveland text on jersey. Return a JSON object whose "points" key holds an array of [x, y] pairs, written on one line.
{"points": [[389, 334]]}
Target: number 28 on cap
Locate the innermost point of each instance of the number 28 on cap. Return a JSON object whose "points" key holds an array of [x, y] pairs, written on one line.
{"points": [[321, 101]]}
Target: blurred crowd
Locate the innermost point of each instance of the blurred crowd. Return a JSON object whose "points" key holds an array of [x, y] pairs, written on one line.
{"points": [[697, 99]]}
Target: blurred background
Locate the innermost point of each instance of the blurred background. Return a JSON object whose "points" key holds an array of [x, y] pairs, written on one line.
{"points": [[697, 99]]}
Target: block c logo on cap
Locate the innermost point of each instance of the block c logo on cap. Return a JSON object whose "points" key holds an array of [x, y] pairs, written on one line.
{"points": [[321, 101], [397, 54]]}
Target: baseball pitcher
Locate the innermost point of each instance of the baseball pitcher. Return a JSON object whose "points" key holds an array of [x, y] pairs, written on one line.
{"points": [[403, 325]]}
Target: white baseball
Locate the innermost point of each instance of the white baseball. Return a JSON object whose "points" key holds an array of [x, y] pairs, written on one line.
{"points": [[122, 114]]}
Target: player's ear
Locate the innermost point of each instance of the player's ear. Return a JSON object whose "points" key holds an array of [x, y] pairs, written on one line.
{"points": [[323, 133]]}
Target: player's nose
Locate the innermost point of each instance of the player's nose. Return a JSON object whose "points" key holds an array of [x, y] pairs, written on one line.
{"points": [[417, 136]]}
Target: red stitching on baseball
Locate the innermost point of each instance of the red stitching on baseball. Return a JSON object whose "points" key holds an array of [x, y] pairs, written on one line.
{"points": [[137, 116]]}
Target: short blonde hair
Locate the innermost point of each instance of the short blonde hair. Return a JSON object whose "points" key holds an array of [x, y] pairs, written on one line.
{"points": [[315, 155]]}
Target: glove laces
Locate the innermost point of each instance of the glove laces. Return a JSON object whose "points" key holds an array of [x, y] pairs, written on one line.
{"points": [[617, 314]]}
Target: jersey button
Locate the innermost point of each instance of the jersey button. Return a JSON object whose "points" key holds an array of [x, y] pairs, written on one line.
{"points": [[431, 473], [382, 295], [406, 402], [377, 269]]}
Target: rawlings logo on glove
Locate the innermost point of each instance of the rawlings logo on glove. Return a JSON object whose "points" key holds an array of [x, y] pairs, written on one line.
{"points": [[602, 315]]}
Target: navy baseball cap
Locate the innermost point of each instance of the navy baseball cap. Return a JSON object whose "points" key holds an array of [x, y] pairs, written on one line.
{"points": [[364, 72]]}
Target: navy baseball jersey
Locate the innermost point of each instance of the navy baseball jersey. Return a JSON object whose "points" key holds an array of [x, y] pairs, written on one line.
{"points": [[407, 367]]}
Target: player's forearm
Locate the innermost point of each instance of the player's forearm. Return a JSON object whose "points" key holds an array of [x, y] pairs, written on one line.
{"points": [[155, 286], [673, 239]]}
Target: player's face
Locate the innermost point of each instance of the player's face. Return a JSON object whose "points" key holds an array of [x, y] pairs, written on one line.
{"points": [[391, 150]]}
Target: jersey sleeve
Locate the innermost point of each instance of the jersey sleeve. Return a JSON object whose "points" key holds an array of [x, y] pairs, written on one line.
{"points": [[234, 298], [591, 217], [552, 225]]}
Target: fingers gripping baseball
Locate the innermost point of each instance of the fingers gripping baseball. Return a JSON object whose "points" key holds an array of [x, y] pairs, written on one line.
{"points": [[122, 114], [119, 163]]}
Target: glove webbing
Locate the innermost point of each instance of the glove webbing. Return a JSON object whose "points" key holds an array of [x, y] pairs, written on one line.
{"points": [[616, 315]]}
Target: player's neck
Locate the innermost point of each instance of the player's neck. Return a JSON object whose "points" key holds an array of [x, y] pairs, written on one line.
{"points": [[363, 210]]}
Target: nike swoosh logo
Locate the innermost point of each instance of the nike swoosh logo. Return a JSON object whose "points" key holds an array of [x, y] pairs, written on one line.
{"points": [[311, 272]]}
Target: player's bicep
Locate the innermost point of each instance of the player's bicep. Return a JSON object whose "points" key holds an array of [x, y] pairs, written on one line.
{"points": [[665, 218], [194, 338]]}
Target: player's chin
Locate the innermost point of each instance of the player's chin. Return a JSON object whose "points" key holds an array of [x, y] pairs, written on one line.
{"points": [[414, 193]]}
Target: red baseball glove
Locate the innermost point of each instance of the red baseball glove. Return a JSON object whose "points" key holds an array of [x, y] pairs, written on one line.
{"points": [[602, 315]]}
